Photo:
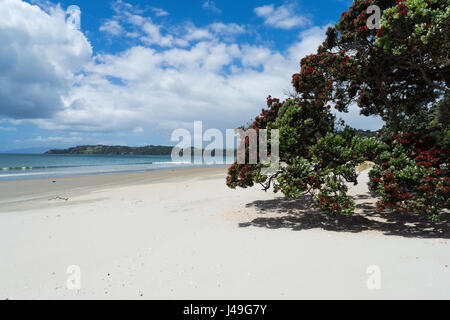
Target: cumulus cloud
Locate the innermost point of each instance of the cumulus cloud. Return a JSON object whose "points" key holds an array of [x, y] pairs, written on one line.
{"points": [[146, 88], [41, 54], [282, 17], [170, 88], [193, 33], [152, 35]]}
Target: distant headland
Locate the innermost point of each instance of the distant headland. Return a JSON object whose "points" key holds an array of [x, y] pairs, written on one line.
{"points": [[115, 150], [122, 150]]}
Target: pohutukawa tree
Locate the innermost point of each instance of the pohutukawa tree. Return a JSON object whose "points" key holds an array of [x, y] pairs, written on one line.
{"points": [[399, 72], [398, 69]]}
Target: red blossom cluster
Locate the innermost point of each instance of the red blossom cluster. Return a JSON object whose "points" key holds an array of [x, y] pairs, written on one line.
{"points": [[415, 176], [240, 173], [319, 75], [267, 115], [380, 32], [402, 8], [354, 21]]}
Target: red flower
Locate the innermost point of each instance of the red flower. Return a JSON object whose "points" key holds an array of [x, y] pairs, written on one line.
{"points": [[380, 32]]}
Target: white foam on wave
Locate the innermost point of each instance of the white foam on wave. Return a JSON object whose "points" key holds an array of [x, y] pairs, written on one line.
{"points": [[25, 174], [172, 162]]}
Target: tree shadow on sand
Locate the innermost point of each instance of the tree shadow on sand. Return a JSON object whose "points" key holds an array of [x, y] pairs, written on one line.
{"points": [[303, 214]]}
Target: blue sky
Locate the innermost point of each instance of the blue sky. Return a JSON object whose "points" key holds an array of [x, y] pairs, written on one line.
{"points": [[133, 71]]}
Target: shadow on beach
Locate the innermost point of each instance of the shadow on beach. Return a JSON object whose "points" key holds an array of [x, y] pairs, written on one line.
{"points": [[303, 214]]}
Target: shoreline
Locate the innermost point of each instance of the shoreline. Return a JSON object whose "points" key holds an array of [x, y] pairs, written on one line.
{"points": [[28, 173], [25, 194]]}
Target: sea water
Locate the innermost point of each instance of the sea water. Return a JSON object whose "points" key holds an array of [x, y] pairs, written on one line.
{"points": [[28, 166]]}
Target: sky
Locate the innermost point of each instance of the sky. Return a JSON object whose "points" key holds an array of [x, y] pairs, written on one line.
{"points": [[130, 72]]}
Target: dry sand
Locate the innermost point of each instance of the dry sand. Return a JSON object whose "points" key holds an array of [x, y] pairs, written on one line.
{"points": [[182, 234]]}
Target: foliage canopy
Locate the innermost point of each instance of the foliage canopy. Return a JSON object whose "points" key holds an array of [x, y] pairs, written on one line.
{"points": [[399, 72]]}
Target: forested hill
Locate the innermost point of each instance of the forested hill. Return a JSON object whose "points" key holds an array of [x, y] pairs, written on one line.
{"points": [[123, 150], [114, 150]]}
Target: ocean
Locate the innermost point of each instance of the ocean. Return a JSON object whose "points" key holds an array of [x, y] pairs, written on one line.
{"points": [[29, 166]]}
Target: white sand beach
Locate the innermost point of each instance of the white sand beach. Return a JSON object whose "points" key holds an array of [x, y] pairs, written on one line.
{"points": [[182, 234]]}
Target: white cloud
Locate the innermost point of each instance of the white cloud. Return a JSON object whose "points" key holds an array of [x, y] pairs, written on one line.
{"points": [[8, 129], [309, 40], [113, 27], [56, 139], [152, 87], [46, 141], [168, 88], [211, 6], [134, 19], [152, 35], [193, 33], [226, 29], [129, 22], [120, 6], [282, 17], [160, 12], [218, 31], [40, 56]]}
